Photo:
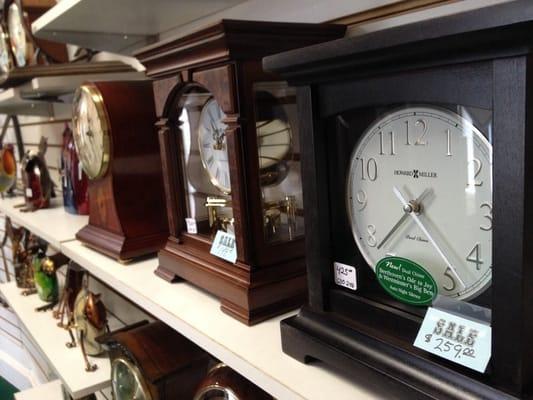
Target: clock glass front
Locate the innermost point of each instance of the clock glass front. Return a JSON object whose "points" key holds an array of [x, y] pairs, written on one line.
{"points": [[418, 195], [127, 382], [17, 33], [278, 151], [204, 158]]}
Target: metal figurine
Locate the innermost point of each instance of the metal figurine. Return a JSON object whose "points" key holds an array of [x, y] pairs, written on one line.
{"points": [[45, 277], [33, 245], [89, 320], [73, 285], [38, 186]]}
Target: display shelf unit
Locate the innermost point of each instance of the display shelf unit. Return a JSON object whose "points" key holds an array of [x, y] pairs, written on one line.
{"points": [[50, 391], [255, 352], [53, 224], [67, 363], [120, 26]]}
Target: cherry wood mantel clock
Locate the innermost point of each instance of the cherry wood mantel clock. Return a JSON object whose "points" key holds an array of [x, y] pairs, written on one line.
{"points": [[114, 134], [230, 153], [418, 202]]}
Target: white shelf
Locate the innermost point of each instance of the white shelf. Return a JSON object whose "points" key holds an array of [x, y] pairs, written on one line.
{"points": [[11, 102], [120, 26], [52, 224], [49, 391], [67, 363], [255, 352]]}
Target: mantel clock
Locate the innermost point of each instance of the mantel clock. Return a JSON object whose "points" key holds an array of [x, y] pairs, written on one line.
{"points": [[231, 159], [151, 361], [418, 202], [114, 134]]}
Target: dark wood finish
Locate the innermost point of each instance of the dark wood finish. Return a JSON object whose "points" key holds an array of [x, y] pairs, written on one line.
{"points": [[477, 59], [171, 366], [225, 60], [222, 379], [126, 207]]}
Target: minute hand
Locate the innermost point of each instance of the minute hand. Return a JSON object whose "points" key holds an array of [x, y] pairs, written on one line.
{"points": [[430, 238]]}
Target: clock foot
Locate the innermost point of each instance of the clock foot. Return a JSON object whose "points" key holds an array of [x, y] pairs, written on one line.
{"points": [[167, 275]]}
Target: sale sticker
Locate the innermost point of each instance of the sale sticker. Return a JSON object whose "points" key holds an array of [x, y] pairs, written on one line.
{"points": [[29, 192], [455, 338], [345, 275], [224, 246]]}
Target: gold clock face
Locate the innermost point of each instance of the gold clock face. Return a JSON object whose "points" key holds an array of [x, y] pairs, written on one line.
{"points": [[127, 381], [91, 131], [17, 34], [213, 145]]}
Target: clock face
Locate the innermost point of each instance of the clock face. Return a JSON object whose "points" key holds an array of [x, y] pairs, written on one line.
{"points": [[420, 187], [17, 34], [213, 145], [127, 382], [90, 129], [274, 141], [5, 59]]}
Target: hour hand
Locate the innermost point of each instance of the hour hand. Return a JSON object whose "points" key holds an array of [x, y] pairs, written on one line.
{"points": [[418, 201]]}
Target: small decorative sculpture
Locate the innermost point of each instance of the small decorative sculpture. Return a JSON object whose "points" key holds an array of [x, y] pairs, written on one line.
{"points": [[45, 277], [89, 320], [73, 285]]}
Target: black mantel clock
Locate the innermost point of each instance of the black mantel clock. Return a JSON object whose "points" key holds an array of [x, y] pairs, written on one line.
{"points": [[417, 174]]}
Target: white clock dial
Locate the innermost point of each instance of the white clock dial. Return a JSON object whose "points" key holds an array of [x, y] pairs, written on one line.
{"points": [[17, 34], [90, 130], [213, 145], [420, 187]]}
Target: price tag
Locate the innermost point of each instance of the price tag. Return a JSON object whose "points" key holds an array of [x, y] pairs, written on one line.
{"points": [[454, 338], [80, 171], [29, 192], [191, 225], [345, 275], [224, 246]]}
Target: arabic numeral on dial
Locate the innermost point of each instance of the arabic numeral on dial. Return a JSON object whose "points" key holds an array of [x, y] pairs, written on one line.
{"points": [[450, 277], [488, 216], [382, 145], [474, 256], [448, 143], [371, 169], [361, 199], [474, 169], [424, 125], [371, 238]]}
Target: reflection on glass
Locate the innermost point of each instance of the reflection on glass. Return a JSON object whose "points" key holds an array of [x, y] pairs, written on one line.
{"points": [[204, 157], [278, 151]]}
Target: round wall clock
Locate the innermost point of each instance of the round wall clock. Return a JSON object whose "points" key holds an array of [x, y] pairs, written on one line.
{"points": [[20, 46], [420, 187], [91, 132]]}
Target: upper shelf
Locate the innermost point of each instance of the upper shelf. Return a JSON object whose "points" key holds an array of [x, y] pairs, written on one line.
{"points": [[54, 224], [120, 26]]}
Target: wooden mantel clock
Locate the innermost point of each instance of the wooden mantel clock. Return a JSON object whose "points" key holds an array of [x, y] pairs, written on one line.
{"points": [[418, 202], [231, 160], [114, 134]]}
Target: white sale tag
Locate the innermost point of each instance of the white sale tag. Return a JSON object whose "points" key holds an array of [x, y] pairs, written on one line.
{"points": [[191, 225], [345, 275], [224, 246], [457, 339], [80, 171], [29, 192]]}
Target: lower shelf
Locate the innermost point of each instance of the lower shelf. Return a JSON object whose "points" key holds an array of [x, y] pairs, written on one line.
{"points": [[49, 391], [67, 363]]}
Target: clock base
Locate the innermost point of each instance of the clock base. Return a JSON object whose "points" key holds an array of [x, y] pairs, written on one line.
{"points": [[311, 336], [248, 295], [120, 247]]}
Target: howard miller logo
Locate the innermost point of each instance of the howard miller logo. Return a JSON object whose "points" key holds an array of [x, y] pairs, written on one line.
{"points": [[415, 173]]}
